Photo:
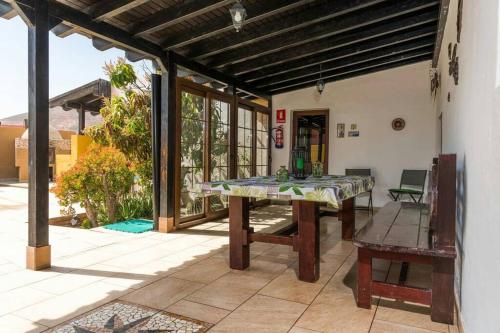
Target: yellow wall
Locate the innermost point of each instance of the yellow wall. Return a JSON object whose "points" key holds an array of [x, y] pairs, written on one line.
{"points": [[79, 145], [63, 163], [8, 135]]}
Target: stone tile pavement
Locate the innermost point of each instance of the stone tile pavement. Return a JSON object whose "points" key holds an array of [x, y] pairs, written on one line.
{"points": [[186, 274]]}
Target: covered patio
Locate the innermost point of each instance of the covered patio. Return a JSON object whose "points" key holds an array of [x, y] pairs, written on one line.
{"points": [[354, 84]]}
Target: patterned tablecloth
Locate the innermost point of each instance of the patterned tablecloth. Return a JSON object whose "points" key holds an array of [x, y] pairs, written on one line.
{"points": [[329, 189]]}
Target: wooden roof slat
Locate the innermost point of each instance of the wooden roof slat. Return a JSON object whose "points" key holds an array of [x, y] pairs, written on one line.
{"points": [[365, 47], [344, 62], [329, 28], [358, 72], [109, 8], [353, 67], [6, 10], [170, 16], [222, 24], [310, 18]]}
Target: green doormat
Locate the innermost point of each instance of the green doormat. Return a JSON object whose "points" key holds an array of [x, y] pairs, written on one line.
{"points": [[133, 226]]}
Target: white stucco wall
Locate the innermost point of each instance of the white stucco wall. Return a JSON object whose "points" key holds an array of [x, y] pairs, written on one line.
{"points": [[471, 128], [372, 102]]}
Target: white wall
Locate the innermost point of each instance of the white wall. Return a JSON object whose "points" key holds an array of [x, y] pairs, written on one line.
{"points": [[372, 102], [471, 128]]}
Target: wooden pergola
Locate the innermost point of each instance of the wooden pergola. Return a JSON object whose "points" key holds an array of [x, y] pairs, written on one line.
{"points": [[283, 46]]}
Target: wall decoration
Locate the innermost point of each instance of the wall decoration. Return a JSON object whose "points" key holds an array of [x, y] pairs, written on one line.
{"points": [[354, 127], [398, 124], [280, 116], [340, 130], [453, 64], [459, 19], [434, 75], [353, 133]]}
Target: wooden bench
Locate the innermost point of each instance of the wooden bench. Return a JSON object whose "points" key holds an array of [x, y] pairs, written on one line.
{"points": [[414, 233]]}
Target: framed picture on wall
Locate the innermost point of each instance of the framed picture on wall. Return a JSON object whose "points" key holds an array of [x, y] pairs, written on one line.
{"points": [[340, 130]]}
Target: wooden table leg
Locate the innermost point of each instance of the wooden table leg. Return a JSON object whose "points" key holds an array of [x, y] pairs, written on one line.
{"points": [[239, 248], [348, 218], [308, 220], [364, 286], [295, 211], [442, 290]]}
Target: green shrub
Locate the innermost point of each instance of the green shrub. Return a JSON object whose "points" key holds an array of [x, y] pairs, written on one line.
{"points": [[136, 205], [98, 181]]}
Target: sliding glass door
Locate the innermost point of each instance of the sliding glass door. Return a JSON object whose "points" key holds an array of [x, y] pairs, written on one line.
{"points": [[216, 142], [192, 151]]}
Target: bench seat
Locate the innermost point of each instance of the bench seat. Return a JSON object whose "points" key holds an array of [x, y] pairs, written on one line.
{"points": [[401, 227], [414, 233]]}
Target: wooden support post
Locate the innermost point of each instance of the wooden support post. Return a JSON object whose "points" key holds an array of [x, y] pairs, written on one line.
{"points": [[168, 143], [38, 250], [348, 219], [233, 153], [364, 287], [156, 140], [308, 219], [443, 270], [239, 248], [81, 120]]}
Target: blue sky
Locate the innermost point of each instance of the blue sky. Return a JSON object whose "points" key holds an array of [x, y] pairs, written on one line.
{"points": [[73, 62]]}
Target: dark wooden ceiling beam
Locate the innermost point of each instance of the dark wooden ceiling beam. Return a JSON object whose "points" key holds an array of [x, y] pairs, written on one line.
{"points": [[316, 69], [98, 29], [331, 28], [259, 11], [106, 9], [389, 58], [173, 15], [443, 16], [309, 18], [216, 75], [297, 58], [358, 72]]}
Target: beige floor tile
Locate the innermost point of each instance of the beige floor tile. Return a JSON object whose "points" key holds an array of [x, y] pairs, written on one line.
{"points": [[301, 330], [336, 312], [9, 268], [262, 314], [61, 308], [266, 267], [66, 282], [198, 311], [14, 324], [23, 278], [162, 293], [19, 298], [287, 286], [380, 326], [205, 271], [228, 292], [344, 280], [408, 314], [343, 248]]}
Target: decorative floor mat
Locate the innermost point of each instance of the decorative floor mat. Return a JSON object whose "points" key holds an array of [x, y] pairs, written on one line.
{"points": [[124, 317]]}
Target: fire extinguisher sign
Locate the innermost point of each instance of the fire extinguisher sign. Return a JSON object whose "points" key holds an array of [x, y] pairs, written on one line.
{"points": [[281, 116]]}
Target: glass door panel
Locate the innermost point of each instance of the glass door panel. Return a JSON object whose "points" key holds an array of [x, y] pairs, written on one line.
{"points": [[262, 160], [245, 143], [219, 148], [192, 149]]}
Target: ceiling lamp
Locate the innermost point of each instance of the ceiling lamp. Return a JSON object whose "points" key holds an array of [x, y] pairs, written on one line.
{"points": [[238, 15], [320, 85]]}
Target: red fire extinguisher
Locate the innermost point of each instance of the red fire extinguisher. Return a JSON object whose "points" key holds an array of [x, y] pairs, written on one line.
{"points": [[279, 137]]}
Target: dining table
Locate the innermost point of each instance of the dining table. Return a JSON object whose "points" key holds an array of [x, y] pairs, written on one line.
{"points": [[303, 233]]}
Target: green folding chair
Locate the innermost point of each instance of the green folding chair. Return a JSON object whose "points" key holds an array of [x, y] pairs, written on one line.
{"points": [[362, 172], [412, 183]]}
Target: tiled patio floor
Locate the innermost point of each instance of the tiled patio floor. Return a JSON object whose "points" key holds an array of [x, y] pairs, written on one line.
{"points": [[186, 273]]}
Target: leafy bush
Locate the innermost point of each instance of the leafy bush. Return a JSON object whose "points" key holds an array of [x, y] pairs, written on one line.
{"points": [[126, 120], [100, 178], [136, 205]]}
